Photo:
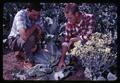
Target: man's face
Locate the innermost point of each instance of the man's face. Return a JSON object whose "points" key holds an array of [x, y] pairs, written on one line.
{"points": [[71, 17], [34, 14]]}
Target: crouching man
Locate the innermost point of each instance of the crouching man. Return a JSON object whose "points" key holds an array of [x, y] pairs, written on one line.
{"points": [[25, 32], [79, 27]]}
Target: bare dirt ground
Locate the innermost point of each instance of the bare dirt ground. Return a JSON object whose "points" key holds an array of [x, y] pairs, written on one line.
{"points": [[10, 63]]}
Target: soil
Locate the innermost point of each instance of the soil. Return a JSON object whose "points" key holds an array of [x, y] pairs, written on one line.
{"points": [[10, 63]]}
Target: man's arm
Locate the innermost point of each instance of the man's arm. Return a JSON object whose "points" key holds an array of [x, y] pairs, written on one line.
{"points": [[26, 33], [65, 47]]}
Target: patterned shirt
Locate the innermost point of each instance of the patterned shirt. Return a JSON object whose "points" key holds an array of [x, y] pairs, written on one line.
{"points": [[21, 20], [82, 30]]}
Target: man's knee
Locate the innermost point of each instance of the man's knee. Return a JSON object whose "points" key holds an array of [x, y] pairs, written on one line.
{"points": [[65, 45], [15, 43]]}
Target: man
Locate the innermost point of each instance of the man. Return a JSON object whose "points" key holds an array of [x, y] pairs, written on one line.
{"points": [[25, 32], [79, 27]]}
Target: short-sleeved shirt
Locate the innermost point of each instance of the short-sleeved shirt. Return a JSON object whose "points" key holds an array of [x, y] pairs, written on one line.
{"points": [[22, 20], [82, 30]]}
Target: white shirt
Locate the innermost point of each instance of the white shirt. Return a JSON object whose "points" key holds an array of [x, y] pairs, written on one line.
{"points": [[21, 20]]}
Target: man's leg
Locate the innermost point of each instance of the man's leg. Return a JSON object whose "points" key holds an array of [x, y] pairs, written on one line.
{"points": [[30, 43], [18, 48], [24, 50]]}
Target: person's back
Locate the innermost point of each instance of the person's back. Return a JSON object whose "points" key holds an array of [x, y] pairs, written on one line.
{"points": [[21, 16]]}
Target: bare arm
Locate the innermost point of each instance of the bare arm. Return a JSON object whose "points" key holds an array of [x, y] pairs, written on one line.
{"points": [[25, 34]]}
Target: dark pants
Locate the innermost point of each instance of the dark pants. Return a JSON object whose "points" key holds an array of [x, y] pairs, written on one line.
{"points": [[18, 44]]}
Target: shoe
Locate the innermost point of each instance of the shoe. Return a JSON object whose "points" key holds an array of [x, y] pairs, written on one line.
{"points": [[27, 65], [19, 56]]}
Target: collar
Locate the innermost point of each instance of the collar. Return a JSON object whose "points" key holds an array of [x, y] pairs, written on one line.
{"points": [[81, 21]]}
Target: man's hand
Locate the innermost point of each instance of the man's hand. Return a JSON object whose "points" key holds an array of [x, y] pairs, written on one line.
{"points": [[37, 27]]}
